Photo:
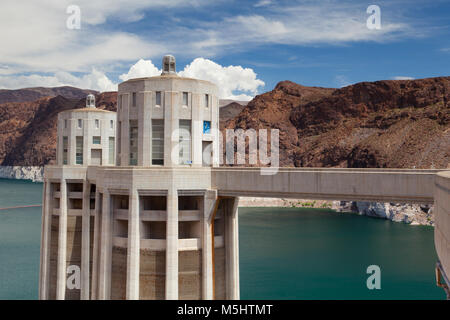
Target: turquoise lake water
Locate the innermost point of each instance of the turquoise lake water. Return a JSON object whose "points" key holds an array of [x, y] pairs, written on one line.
{"points": [[285, 253]]}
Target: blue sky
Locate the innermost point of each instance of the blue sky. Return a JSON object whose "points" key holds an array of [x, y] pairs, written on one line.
{"points": [[321, 43]]}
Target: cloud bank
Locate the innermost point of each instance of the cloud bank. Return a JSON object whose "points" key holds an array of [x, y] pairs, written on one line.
{"points": [[234, 82]]}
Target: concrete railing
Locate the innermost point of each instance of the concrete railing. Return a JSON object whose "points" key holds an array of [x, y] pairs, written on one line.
{"points": [[442, 219], [383, 185]]}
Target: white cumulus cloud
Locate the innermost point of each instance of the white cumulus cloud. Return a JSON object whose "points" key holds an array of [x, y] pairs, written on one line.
{"points": [[142, 68], [234, 82]]}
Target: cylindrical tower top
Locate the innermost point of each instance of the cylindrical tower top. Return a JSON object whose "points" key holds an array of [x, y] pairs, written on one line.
{"points": [[90, 101], [169, 65]]}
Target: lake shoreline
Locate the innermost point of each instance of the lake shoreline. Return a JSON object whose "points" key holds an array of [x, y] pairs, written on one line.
{"points": [[412, 214]]}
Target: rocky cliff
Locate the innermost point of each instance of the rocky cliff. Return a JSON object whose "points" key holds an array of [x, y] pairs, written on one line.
{"points": [[397, 123], [35, 174]]}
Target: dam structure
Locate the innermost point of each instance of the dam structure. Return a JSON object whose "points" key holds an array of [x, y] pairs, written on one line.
{"points": [[137, 206]]}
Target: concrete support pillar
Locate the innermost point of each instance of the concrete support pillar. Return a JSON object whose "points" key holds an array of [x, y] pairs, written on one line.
{"points": [[45, 242], [62, 243], [232, 248], [85, 241], [96, 251], [172, 245], [104, 290], [209, 203], [133, 250]]}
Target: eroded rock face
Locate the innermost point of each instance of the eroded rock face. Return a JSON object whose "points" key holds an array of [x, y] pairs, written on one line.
{"points": [[413, 214], [35, 174], [391, 124]]}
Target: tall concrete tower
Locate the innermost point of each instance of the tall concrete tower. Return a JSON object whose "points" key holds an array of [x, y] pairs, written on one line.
{"points": [[150, 224]]}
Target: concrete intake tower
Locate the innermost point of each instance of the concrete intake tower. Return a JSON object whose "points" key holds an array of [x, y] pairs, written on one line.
{"points": [[130, 208], [137, 206]]}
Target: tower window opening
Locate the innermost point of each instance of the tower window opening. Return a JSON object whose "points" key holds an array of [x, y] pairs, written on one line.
{"points": [[111, 123], [133, 142], [185, 98], [119, 137], [79, 150], [80, 123], [207, 100], [65, 124], [134, 99], [97, 140], [158, 142], [112, 151], [158, 98], [185, 142], [65, 149], [97, 124]]}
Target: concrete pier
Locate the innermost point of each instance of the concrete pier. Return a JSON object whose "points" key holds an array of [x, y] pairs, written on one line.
{"points": [[172, 246], [62, 243]]}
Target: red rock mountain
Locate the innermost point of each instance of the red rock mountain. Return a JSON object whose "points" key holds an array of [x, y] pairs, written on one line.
{"points": [[32, 94], [398, 123]]}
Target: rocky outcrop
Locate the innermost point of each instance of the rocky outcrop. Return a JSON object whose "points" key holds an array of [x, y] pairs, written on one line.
{"points": [[413, 214], [35, 174], [382, 124], [406, 213], [283, 202], [230, 111]]}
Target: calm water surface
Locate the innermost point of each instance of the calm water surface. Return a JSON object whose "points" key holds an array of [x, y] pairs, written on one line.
{"points": [[284, 253]]}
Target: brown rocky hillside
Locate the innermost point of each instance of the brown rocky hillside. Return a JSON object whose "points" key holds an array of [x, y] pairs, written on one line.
{"points": [[397, 124], [32, 94]]}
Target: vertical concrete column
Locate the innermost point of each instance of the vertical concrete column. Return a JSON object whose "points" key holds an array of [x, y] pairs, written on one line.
{"points": [[104, 273], [59, 139], [85, 241], [45, 242], [133, 250], [237, 289], [87, 136], [125, 155], [217, 152], [62, 243], [95, 255], [172, 245], [232, 248], [209, 203], [197, 131]]}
